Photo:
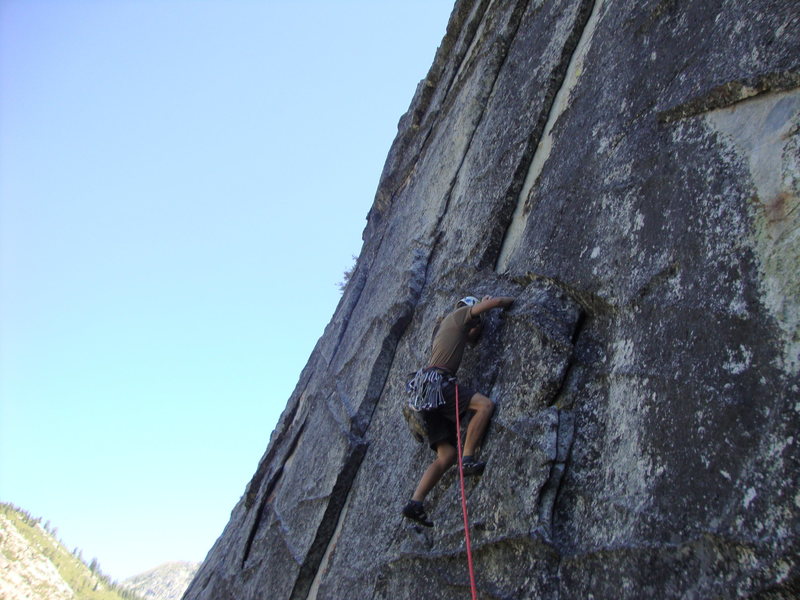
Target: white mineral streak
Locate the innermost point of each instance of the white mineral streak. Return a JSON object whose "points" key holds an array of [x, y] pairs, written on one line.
{"points": [[562, 101], [630, 471]]}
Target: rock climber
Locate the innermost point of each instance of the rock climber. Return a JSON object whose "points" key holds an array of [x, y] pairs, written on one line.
{"points": [[433, 392]]}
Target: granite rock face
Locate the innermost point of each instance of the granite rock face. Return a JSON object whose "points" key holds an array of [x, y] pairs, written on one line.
{"points": [[630, 172]]}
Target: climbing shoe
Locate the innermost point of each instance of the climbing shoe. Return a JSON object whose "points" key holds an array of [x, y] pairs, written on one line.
{"points": [[415, 511], [472, 466]]}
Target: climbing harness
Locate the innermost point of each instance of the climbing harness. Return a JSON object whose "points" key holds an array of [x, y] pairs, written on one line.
{"points": [[473, 589]]}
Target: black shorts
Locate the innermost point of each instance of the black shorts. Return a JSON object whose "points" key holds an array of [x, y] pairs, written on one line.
{"points": [[440, 423]]}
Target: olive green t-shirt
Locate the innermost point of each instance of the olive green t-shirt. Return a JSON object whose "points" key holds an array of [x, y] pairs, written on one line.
{"points": [[451, 339]]}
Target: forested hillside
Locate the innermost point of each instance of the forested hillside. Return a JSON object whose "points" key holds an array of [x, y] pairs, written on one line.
{"points": [[35, 565]]}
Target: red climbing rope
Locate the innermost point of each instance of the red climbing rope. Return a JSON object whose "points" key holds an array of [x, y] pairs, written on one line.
{"points": [[464, 502]]}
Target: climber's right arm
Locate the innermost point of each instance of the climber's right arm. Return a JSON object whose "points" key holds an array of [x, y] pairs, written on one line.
{"points": [[489, 302]]}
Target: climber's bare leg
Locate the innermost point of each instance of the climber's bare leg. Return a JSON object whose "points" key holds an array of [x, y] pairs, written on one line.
{"points": [[445, 457], [483, 407]]}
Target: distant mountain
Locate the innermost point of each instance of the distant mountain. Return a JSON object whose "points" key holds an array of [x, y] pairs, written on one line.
{"points": [[35, 565], [165, 582]]}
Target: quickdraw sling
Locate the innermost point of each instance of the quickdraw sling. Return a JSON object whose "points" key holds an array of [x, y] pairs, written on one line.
{"points": [[425, 388]]}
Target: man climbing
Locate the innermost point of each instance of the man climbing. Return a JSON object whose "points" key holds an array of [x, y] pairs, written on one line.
{"points": [[434, 395]]}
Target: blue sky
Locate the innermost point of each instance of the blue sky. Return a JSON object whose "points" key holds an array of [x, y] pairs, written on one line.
{"points": [[182, 185]]}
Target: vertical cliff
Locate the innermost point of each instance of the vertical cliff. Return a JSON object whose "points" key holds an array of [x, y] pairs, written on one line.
{"points": [[630, 171]]}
